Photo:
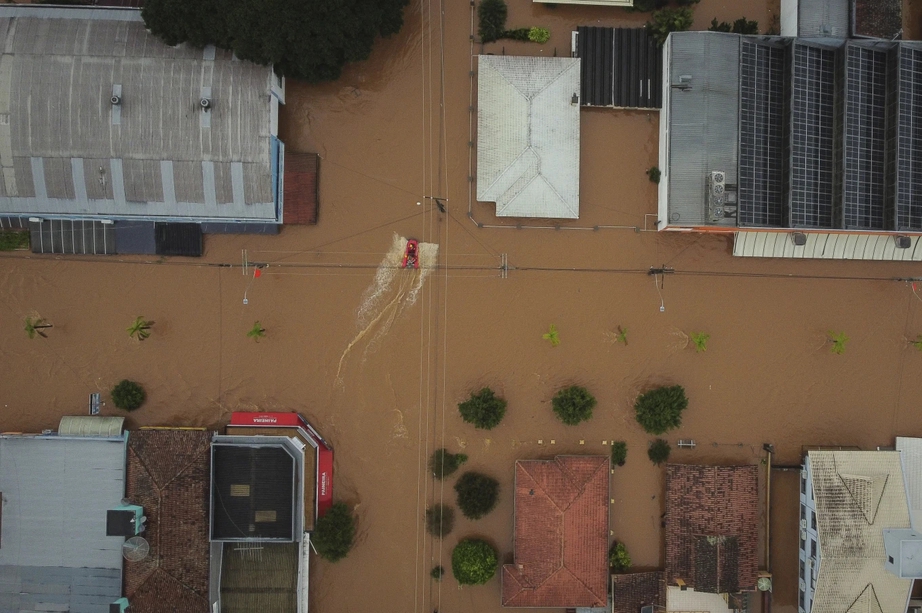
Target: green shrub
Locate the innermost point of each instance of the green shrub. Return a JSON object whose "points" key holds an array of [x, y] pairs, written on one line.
{"points": [[552, 336], [539, 35], [687, 2], [722, 26], [740, 26], [838, 340], [10, 240], [654, 174], [473, 562], [128, 395], [618, 453], [659, 451], [573, 404], [442, 463], [618, 558], [335, 532], [667, 20], [660, 409], [492, 17], [477, 494], [483, 409], [437, 573], [440, 520], [917, 344], [516, 34], [646, 6], [700, 339]]}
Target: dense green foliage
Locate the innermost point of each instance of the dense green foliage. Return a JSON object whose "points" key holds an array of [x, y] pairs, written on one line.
{"points": [[740, 26], [552, 336], [838, 340], [128, 395], [477, 494], [440, 520], [700, 339], [646, 6], [660, 409], [539, 35], [140, 328], [442, 463], [36, 326], [13, 239], [473, 562], [256, 332], [667, 20], [654, 174], [483, 409], [491, 15], [618, 453], [437, 573], [573, 404], [304, 40], [618, 558], [335, 532], [659, 451]]}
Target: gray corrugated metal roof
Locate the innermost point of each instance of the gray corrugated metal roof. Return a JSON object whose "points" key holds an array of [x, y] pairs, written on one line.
{"points": [[63, 151], [56, 492], [703, 118], [528, 135], [819, 18]]}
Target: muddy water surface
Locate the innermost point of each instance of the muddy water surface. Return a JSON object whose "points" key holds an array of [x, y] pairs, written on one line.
{"points": [[767, 374]]}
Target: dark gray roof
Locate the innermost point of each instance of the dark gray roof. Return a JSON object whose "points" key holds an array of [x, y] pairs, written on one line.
{"points": [[56, 492], [65, 149]]}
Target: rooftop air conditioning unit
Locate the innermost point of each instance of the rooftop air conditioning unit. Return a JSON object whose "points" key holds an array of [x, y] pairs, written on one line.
{"points": [[803, 523], [205, 103], [716, 194]]}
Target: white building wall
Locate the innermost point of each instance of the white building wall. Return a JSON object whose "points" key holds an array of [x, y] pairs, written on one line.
{"points": [[789, 17], [809, 559]]}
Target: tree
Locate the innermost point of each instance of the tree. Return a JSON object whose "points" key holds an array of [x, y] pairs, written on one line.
{"points": [[667, 20], [700, 339], [140, 328], [660, 409], [128, 395], [477, 494], [335, 532], [304, 40], [740, 26], [440, 520], [552, 336], [573, 404], [442, 463], [654, 174], [473, 562], [491, 15], [36, 326], [838, 340], [256, 332], [483, 409], [917, 344], [659, 451], [618, 453], [618, 558], [437, 573]]}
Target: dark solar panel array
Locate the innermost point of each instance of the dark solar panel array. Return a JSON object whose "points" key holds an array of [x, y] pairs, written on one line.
{"points": [[761, 157], [620, 67], [812, 127], [909, 148], [865, 138]]}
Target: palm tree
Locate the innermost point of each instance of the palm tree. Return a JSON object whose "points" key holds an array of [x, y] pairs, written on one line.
{"points": [[140, 328], [256, 332], [36, 325]]}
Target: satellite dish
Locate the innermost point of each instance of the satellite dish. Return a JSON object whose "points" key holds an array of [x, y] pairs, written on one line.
{"points": [[764, 584], [135, 549]]}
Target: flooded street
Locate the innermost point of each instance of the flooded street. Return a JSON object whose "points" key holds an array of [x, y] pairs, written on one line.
{"points": [[377, 358]]}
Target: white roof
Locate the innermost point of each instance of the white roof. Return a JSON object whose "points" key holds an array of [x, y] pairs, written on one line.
{"points": [[528, 135], [911, 448], [858, 494]]}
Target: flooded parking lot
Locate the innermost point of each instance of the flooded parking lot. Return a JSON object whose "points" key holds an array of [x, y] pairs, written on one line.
{"points": [[386, 399]]}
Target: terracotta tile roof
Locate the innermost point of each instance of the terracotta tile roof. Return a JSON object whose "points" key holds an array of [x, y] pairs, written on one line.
{"points": [[561, 534], [168, 474], [711, 527], [635, 590], [301, 188], [878, 18]]}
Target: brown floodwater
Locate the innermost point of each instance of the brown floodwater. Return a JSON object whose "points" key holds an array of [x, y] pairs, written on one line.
{"points": [[378, 361]]}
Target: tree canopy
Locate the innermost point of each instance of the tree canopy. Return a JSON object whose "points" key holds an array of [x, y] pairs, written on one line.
{"points": [[573, 404], [473, 562], [660, 409], [335, 532], [483, 409], [477, 494], [304, 40]]}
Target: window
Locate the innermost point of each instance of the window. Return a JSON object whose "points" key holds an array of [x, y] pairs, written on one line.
{"points": [[803, 485], [803, 544], [803, 570], [813, 548], [813, 519], [803, 512], [801, 601]]}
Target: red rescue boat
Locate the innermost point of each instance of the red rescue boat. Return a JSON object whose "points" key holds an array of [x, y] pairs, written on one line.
{"points": [[411, 254]]}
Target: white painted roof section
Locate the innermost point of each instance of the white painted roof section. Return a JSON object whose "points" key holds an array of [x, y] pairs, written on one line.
{"points": [[528, 135], [66, 150], [858, 494], [911, 450], [825, 246], [679, 600]]}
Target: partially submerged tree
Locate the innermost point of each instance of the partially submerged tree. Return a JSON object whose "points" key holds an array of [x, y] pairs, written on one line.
{"points": [[473, 562], [256, 332], [334, 533], [659, 451], [483, 409], [700, 339], [477, 494], [128, 395], [838, 340], [37, 325], [440, 520], [618, 558], [552, 336], [443, 463], [660, 409], [618, 453], [304, 40], [140, 328], [573, 404], [491, 15]]}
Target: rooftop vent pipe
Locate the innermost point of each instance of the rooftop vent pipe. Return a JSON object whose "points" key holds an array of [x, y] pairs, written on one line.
{"points": [[205, 103], [115, 100]]}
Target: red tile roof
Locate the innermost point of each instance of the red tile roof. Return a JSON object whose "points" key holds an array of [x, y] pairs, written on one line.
{"points": [[300, 188], [635, 590], [712, 530], [561, 534], [168, 474]]}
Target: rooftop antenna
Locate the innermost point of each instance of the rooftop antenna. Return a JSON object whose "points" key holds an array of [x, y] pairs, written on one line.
{"points": [[135, 549]]}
